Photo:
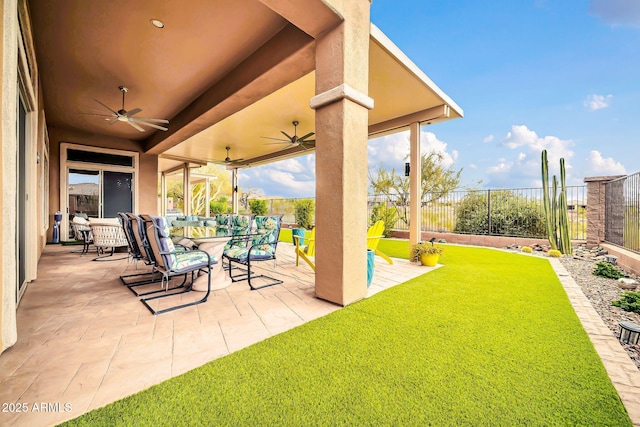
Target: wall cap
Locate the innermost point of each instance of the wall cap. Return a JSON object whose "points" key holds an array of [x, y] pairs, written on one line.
{"points": [[602, 178]]}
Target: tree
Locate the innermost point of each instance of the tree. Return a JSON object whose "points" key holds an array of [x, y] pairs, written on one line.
{"points": [[437, 181], [219, 184]]}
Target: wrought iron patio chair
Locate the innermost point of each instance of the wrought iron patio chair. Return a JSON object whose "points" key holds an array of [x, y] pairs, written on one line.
{"points": [[261, 247], [137, 234], [171, 263]]}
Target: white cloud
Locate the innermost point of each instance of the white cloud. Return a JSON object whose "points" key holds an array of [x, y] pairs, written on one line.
{"points": [[600, 166], [392, 151], [523, 168], [472, 166], [616, 12], [598, 102], [487, 139]]}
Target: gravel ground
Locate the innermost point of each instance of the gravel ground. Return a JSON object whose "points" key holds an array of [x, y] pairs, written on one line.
{"points": [[601, 292]]}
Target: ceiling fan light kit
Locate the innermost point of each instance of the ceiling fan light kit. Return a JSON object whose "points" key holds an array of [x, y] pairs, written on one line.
{"points": [[127, 117]]}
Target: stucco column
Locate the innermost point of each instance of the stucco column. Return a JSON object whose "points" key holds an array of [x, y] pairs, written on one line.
{"points": [[415, 185], [596, 193], [341, 104]]}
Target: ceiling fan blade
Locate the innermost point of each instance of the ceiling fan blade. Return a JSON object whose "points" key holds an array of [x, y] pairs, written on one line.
{"points": [[278, 143], [276, 139], [148, 124], [112, 121], [285, 134], [306, 136], [132, 124], [97, 115], [147, 119], [134, 111], [105, 106]]}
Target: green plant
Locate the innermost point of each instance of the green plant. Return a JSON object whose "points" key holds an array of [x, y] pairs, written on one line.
{"points": [[388, 215], [424, 248], [554, 253], [555, 208], [220, 206], [630, 301], [304, 210], [258, 207], [527, 249], [604, 269], [511, 215]]}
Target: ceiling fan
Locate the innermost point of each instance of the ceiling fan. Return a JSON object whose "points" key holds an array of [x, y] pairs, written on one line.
{"points": [[295, 140], [125, 116], [228, 161]]}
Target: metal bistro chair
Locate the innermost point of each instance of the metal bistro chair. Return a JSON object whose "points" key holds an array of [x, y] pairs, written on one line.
{"points": [[261, 247], [138, 242], [171, 263]]}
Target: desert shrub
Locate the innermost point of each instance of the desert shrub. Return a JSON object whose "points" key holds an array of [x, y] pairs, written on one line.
{"points": [[511, 215], [604, 269], [304, 210], [554, 253], [388, 215], [258, 207], [220, 206], [527, 249], [630, 301]]}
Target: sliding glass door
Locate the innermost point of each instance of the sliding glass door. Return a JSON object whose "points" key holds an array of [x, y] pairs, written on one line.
{"points": [[99, 183]]}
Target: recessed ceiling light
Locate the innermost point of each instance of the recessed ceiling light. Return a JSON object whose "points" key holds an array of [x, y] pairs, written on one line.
{"points": [[157, 23]]}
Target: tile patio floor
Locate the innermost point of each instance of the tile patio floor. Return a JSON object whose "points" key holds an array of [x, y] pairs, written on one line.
{"points": [[86, 340]]}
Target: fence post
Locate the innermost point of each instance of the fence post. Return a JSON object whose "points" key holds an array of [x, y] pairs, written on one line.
{"points": [[596, 208], [488, 212]]}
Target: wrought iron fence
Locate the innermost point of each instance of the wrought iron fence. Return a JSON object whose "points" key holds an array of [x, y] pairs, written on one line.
{"points": [[622, 212], [516, 212]]}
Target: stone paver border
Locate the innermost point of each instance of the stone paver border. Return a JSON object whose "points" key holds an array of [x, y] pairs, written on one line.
{"points": [[624, 374]]}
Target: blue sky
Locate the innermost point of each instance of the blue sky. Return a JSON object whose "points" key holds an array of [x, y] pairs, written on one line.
{"points": [[529, 74]]}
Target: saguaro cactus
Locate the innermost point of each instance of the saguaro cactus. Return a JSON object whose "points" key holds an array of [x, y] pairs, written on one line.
{"points": [[563, 218], [555, 208], [549, 212]]}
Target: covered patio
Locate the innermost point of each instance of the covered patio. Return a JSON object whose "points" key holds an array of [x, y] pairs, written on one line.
{"points": [[86, 340]]}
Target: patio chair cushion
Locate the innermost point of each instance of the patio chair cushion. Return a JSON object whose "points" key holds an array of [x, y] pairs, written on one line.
{"points": [[267, 228], [241, 225], [177, 259], [241, 254], [223, 223]]}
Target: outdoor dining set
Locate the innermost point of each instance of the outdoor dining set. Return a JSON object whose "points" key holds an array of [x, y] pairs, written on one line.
{"points": [[226, 253]]}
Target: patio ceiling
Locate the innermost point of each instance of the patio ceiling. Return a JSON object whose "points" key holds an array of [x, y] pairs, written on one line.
{"points": [[204, 72]]}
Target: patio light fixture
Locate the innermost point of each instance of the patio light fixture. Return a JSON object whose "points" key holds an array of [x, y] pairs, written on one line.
{"points": [[157, 23], [629, 333]]}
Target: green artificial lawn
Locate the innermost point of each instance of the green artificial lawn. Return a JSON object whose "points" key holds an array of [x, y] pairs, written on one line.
{"points": [[489, 339]]}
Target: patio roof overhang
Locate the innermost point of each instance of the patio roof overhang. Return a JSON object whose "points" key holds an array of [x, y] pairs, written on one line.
{"points": [[403, 94]]}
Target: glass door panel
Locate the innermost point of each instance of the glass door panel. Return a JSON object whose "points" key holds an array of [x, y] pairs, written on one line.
{"points": [[117, 193]]}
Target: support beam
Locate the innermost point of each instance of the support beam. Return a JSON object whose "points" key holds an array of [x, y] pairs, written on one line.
{"points": [[314, 17], [342, 72], [429, 116], [286, 57], [415, 185]]}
